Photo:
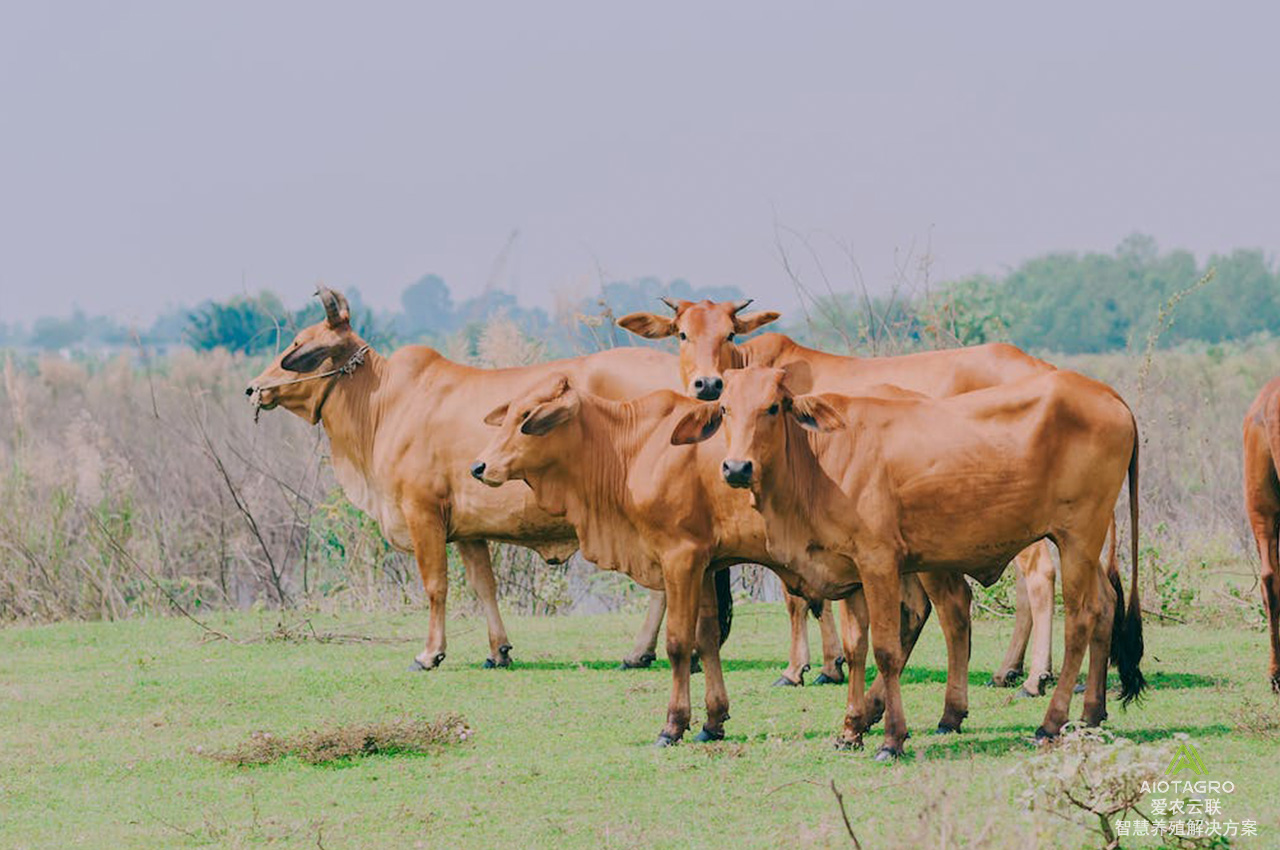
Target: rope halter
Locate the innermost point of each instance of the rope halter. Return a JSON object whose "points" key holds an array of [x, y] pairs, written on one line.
{"points": [[347, 368]]}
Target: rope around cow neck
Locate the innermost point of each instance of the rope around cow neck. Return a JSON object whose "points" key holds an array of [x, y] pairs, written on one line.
{"points": [[347, 368]]}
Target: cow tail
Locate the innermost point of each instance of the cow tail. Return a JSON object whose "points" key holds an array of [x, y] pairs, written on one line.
{"points": [[1113, 576], [1132, 682], [724, 604]]}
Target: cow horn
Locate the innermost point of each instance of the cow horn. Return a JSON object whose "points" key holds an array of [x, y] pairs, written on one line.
{"points": [[334, 305], [739, 306], [675, 308]]}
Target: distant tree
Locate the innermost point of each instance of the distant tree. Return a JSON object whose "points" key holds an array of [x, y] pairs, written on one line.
{"points": [[247, 324], [55, 333], [428, 306]]}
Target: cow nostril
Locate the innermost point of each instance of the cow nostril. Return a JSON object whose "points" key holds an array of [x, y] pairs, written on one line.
{"points": [[477, 470], [697, 383], [248, 391], [717, 384]]}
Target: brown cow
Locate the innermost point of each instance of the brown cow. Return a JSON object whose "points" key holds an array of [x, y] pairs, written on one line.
{"points": [[400, 426], [403, 430], [707, 332], [655, 512], [952, 486], [1262, 504]]}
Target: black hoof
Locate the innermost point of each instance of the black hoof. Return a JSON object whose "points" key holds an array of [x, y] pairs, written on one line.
{"points": [[640, 663], [707, 735], [846, 744], [503, 659], [1006, 680], [944, 729], [1043, 736], [784, 682], [824, 679], [695, 666], [665, 740], [418, 666], [887, 753], [1275, 684], [1078, 689], [1023, 693]]}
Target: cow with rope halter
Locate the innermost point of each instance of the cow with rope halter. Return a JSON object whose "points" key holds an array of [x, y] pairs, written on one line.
{"points": [[402, 431]]}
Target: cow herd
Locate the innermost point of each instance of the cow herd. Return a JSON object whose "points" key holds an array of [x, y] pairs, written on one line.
{"points": [[882, 483]]}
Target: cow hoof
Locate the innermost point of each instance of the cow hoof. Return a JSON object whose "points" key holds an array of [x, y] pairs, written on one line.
{"points": [[945, 729], [1023, 693], [418, 666], [1043, 736], [695, 666], [1275, 684], [849, 743], [638, 663], [665, 740], [1078, 689], [1005, 679], [488, 664], [887, 753], [707, 735], [824, 679], [784, 682]]}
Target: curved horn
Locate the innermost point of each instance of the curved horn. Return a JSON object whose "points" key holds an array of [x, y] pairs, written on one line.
{"points": [[334, 304], [675, 308], [739, 306]]}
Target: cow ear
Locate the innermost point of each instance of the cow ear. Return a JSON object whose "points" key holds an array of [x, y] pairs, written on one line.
{"points": [[305, 359], [697, 425], [815, 414], [497, 415], [549, 414], [648, 325], [753, 321]]}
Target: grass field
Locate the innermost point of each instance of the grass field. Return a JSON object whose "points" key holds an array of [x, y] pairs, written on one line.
{"points": [[105, 731]]}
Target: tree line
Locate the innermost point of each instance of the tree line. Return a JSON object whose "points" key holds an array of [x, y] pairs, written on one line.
{"points": [[1060, 302]]}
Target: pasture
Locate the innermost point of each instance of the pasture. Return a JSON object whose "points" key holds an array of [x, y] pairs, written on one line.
{"points": [[106, 729]]}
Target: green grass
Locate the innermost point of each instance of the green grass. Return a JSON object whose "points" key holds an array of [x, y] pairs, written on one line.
{"points": [[100, 725]]}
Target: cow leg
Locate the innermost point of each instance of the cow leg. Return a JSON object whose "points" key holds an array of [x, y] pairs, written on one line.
{"points": [[1081, 598], [1010, 670], [1263, 524], [709, 652], [913, 614], [1095, 686], [1039, 580], [881, 584], [853, 633], [832, 672], [476, 558], [952, 597], [683, 580], [798, 662], [645, 649], [428, 535]]}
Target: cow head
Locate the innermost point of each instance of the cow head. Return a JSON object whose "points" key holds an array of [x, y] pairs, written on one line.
{"points": [[753, 411], [706, 330], [529, 435], [326, 345]]}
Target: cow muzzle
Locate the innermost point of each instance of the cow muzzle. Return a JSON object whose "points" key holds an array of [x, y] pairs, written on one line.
{"points": [[708, 388], [478, 470], [737, 473]]}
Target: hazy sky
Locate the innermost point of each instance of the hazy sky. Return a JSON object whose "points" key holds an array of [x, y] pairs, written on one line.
{"points": [[154, 153]]}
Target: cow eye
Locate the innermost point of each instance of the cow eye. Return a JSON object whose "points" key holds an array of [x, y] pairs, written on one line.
{"points": [[682, 336], [731, 335], [773, 409]]}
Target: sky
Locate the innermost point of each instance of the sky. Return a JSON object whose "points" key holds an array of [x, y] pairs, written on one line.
{"points": [[161, 153]]}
